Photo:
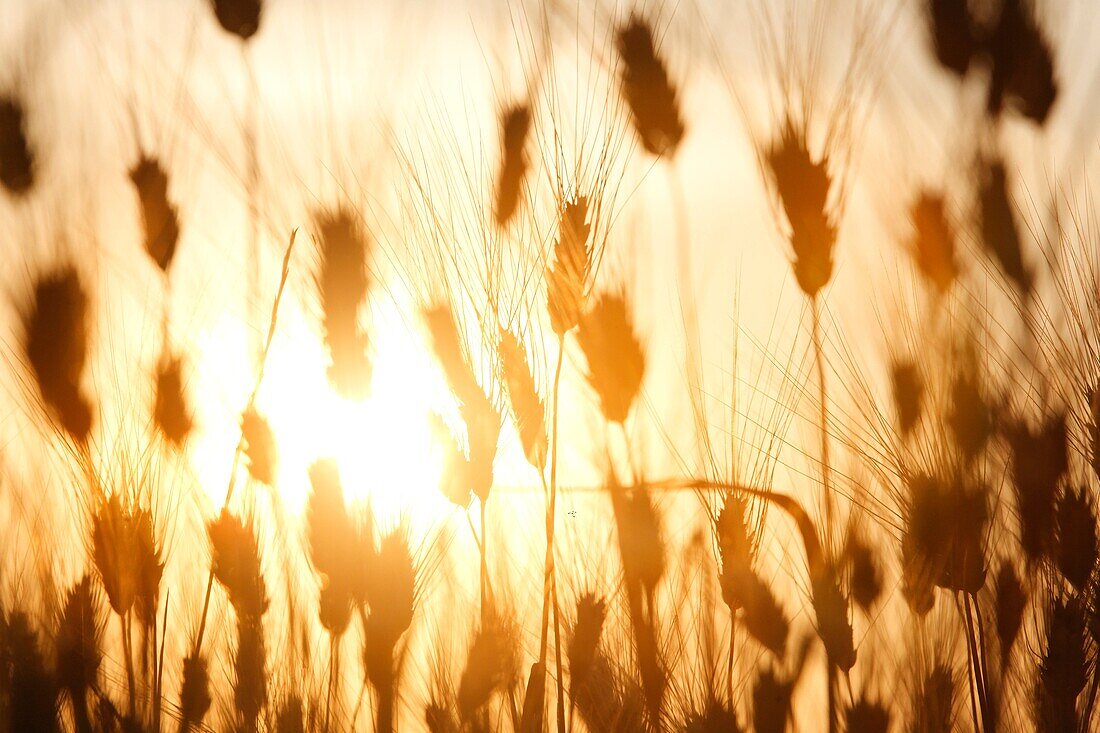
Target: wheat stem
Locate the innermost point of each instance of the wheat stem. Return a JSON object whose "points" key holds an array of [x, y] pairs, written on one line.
{"points": [[239, 451]]}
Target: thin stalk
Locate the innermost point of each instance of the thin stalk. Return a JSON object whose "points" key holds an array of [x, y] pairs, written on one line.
{"points": [[239, 451], [729, 662], [971, 681], [549, 592], [826, 472], [484, 563], [127, 649]]}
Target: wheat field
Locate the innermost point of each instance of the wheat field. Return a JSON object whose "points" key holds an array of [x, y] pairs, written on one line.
{"points": [[549, 365]]}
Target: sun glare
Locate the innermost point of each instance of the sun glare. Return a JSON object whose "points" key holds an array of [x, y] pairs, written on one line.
{"points": [[384, 444]]}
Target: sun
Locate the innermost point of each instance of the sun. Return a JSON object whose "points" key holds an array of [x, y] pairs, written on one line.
{"points": [[384, 444]]}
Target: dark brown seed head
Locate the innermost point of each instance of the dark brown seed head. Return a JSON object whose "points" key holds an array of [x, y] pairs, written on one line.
{"points": [[259, 446], [56, 333], [616, 359], [1076, 537], [908, 389], [194, 691], [17, 166], [487, 669], [867, 716], [1039, 461], [249, 672], [171, 412], [1000, 235], [953, 31], [944, 538], [803, 185], [969, 418], [527, 406], [159, 220], [864, 574], [1023, 65], [1064, 667], [934, 703], [640, 539], [933, 243], [771, 701], [79, 634], [116, 549], [763, 617], [150, 568], [648, 90], [343, 284], [32, 691], [583, 645], [834, 626], [1011, 601], [515, 125], [715, 717], [393, 594], [567, 280], [238, 17], [236, 562]]}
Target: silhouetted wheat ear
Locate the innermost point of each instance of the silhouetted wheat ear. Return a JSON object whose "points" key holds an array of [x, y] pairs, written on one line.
{"points": [[1040, 459], [1010, 601], [150, 568], [116, 550], [291, 716], [78, 651], [194, 691], [17, 164], [616, 359], [1000, 235], [834, 625], [970, 416], [953, 31], [583, 644], [249, 672], [943, 540], [171, 411], [1076, 537], [527, 406], [393, 595], [803, 185], [515, 126], [335, 550], [934, 702], [867, 716], [159, 219], [487, 669], [908, 392], [259, 446], [567, 279], [238, 17], [771, 701], [1063, 669], [56, 333], [934, 241], [454, 480], [648, 90], [478, 412], [343, 285], [715, 717], [864, 574], [236, 563], [1023, 65], [32, 690]]}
